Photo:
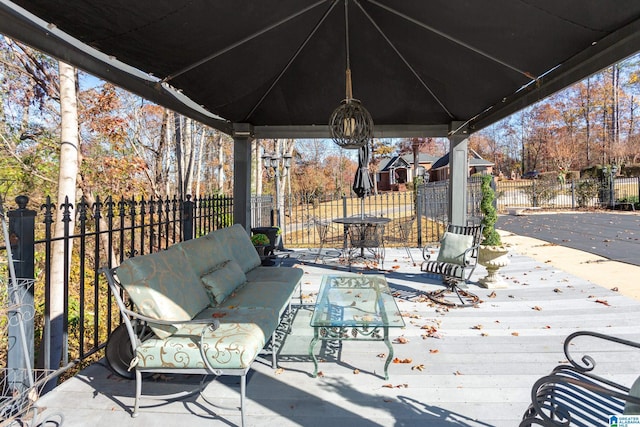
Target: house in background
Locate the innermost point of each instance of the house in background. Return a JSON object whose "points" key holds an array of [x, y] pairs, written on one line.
{"points": [[395, 172], [440, 169]]}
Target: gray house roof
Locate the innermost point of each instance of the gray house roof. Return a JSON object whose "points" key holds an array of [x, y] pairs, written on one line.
{"points": [[422, 158], [475, 160], [392, 162]]}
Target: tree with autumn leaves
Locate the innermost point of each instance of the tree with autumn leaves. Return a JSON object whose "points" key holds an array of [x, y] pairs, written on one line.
{"points": [[593, 122]]}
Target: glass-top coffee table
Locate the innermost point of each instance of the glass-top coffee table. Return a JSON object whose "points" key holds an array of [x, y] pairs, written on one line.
{"points": [[354, 307]]}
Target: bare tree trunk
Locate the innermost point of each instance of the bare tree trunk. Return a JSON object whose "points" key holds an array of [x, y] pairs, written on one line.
{"points": [[259, 166], [69, 166], [160, 173], [219, 168], [199, 159], [188, 152], [177, 123], [587, 119]]}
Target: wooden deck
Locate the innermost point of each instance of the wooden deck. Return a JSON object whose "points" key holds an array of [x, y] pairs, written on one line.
{"points": [[466, 366]]}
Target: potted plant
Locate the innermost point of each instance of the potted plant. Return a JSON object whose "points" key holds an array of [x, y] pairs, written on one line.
{"points": [[260, 242], [492, 254]]}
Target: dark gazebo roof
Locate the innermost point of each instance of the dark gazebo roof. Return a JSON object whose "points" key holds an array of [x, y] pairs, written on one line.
{"points": [[278, 66]]}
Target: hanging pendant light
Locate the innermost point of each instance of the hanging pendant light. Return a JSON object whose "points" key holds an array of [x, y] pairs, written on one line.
{"points": [[350, 125]]}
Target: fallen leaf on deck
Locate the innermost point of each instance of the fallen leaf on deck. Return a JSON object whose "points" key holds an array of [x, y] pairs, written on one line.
{"points": [[418, 367], [603, 302], [382, 355], [218, 315], [484, 334], [387, 385], [356, 371], [396, 360], [401, 340], [515, 334], [614, 289], [492, 295], [558, 291], [458, 373], [434, 351], [410, 315], [537, 308], [395, 267], [279, 371], [321, 374], [476, 327]]}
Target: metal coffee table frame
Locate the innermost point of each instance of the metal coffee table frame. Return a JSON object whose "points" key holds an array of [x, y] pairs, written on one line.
{"points": [[354, 308]]}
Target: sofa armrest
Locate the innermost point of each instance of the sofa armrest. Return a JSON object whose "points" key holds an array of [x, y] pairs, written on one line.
{"points": [[213, 323]]}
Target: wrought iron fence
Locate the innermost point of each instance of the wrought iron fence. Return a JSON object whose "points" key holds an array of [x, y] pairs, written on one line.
{"points": [[298, 224], [607, 192], [108, 232]]}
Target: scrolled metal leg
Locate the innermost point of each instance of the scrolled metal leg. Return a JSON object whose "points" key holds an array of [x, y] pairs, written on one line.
{"points": [[243, 392], [313, 343], [136, 405], [390, 356]]}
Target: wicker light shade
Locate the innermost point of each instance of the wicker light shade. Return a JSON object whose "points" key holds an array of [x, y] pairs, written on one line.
{"points": [[351, 125]]}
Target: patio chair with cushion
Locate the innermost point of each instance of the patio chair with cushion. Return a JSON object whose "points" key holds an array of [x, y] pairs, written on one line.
{"points": [[456, 260], [398, 231]]}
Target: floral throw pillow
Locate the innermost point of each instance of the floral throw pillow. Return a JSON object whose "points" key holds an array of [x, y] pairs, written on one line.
{"points": [[223, 280]]}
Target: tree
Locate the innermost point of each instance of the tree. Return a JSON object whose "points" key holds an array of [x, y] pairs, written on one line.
{"points": [[69, 166]]}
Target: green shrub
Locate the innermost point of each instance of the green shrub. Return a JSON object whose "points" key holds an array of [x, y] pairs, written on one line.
{"points": [[585, 191], [542, 191], [489, 234]]}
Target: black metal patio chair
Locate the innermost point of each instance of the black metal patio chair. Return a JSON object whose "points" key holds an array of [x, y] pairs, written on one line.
{"points": [[331, 235], [398, 231], [456, 260]]}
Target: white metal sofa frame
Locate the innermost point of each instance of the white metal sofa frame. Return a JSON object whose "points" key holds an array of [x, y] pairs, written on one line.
{"points": [[136, 326], [452, 273]]}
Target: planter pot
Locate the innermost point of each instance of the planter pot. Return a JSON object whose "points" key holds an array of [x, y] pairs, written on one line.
{"points": [[493, 258], [260, 249], [272, 234]]}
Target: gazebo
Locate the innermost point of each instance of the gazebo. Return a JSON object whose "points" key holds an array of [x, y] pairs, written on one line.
{"points": [[276, 68]]}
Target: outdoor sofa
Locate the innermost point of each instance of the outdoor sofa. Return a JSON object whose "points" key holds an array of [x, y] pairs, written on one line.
{"points": [[203, 306]]}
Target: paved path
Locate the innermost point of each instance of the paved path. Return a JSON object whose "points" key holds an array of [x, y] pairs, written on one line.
{"points": [[603, 248], [615, 236]]}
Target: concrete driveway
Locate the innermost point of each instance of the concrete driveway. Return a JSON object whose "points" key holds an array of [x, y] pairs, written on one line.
{"points": [[615, 236]]}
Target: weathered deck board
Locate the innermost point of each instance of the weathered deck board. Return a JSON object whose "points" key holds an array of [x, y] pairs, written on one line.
{"points": [[466, 378]]}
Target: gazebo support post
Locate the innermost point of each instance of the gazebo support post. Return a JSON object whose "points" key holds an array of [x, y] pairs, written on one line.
{"points": [[458, 171], [242, 135]]}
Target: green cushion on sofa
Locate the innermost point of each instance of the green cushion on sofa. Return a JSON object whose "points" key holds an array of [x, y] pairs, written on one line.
{"points": [[452, 247], [237, 244], [234, 345], [203, 253], [223, 280], [163, 286]]}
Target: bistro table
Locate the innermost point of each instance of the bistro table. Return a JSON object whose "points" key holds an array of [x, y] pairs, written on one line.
{"points": [[363, 232], [357, 308]]}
